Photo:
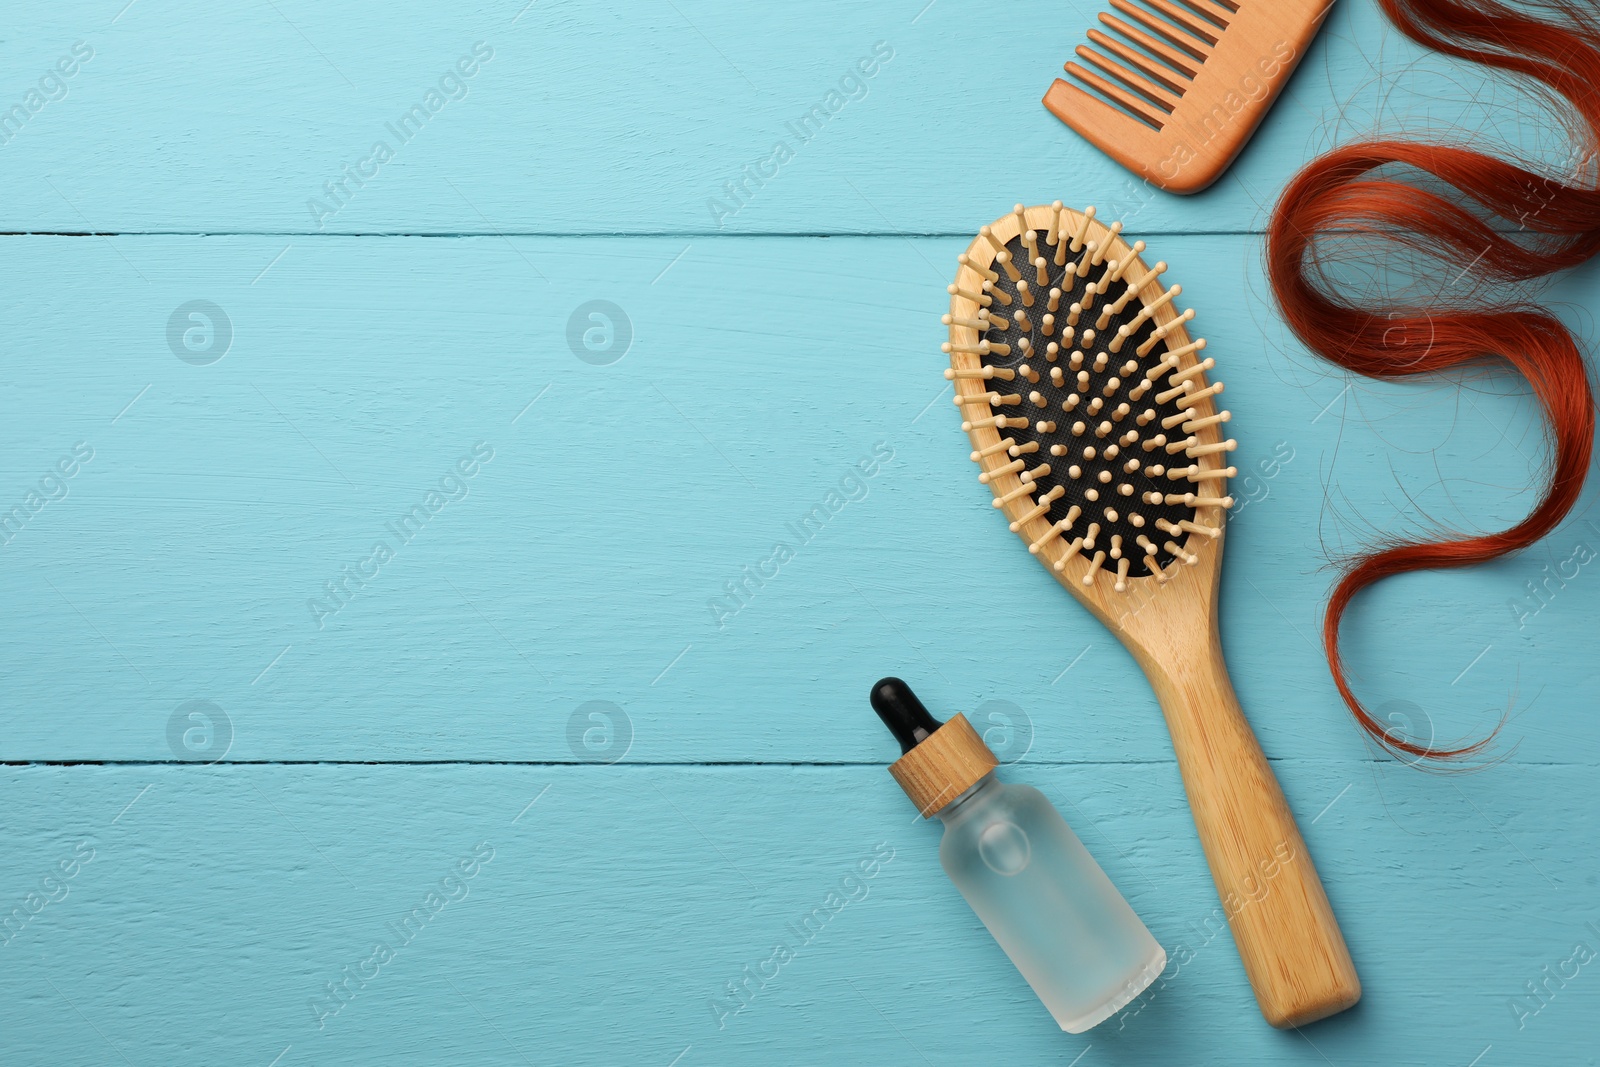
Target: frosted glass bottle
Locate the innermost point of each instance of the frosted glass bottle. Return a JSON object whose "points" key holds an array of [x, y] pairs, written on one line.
{"points": [[1047, 902], [1021, 868]]}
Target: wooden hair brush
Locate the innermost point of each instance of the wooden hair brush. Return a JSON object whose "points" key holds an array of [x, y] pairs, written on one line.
{"points": [[1182, 84], [1090, 415]]}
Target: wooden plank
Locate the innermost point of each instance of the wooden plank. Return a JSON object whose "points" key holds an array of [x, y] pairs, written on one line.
{"points": [[688, 117], [590, 558], [611, 916]]}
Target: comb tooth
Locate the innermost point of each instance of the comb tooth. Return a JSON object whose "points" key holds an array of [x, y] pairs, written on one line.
{"points": [[978, 269], [1171, 394], [1141, 109], [1047, 325], [1217, 475], [1054, 234], [977, 324], [1015, 494], [1115, 308], [975, 398], [1024, 449], [981, 299], [1181, 417], [1072, 550], [1153, 71], [1195, 46], [982, 373], [1094, 568], [1196, 26], [1041, 471], [1197, 450], [1211, 502], [1181, 61], [1022, 218], [1112, 232], [1025, 291], [1054, 302], [981, 453], [1161, 332], [1055, 531], [999, 422], [1189, 559], [1039, 509], [1121, 585], [1194, 371], [1003, 258], [1148, 311], [1197, 425], [1212, 532], [987, 233], [1081, 268], [1155, 442], [1211, 390], [1115, 267], [988, 476], [1082, 231], [1183, 446], [1040, 264], [1145, 87]]}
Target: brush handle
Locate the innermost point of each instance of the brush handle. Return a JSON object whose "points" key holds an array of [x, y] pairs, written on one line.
{"points": [[1282, 923]]}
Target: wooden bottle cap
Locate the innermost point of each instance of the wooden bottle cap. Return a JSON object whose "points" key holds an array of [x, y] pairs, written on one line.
{"points": [[944, 766]]}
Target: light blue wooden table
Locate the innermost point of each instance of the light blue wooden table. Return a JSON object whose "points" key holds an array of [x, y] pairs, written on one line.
{"points": [[529, 747]]}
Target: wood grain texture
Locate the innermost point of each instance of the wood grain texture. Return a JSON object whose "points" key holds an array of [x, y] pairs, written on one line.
{"points": [[1233, 75], [568, 604], [180, 564], [195, 118], [618, 906], [1287, 935]]}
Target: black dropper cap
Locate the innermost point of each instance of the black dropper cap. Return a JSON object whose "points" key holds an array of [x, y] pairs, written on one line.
{"points": [[902, 713]]}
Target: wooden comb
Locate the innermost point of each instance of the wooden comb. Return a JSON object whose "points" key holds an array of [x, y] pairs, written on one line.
{"points": [[1180, 85], [1090, 416]]}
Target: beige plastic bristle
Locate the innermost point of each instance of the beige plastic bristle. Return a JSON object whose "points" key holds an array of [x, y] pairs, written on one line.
{"points": [[994, 449], [971, 264], [1010, 468], [981, 299], [1152, 83], [1160, 334]]}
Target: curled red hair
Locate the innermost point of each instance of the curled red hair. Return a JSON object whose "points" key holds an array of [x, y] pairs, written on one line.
{"points": [[1380, 191]]}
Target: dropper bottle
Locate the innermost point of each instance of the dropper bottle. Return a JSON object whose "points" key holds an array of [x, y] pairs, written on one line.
{"points": [[1021, 868]]}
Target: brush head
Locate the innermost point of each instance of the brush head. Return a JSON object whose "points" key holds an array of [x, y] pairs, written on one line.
{"points": [[1176, 87], [1086, 402]]}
